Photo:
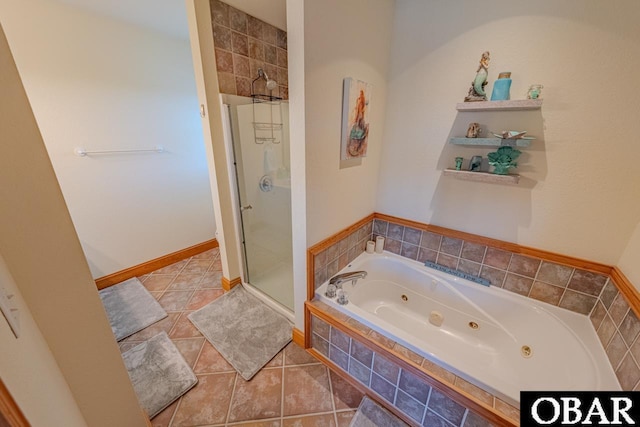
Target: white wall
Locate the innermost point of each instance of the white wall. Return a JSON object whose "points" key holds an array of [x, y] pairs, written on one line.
{"points": [[629, 260], [342, 39], [98, 83], [578, 194], [29, 370], [43, 265]]}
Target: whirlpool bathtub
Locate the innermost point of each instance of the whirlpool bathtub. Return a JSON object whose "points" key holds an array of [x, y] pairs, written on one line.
{"points": [[502, 342]]}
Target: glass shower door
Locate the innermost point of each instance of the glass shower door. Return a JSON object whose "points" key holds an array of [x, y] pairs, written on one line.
{"points": [[261, 151]]}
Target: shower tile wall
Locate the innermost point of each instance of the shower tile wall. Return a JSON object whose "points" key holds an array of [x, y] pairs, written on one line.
{"points": [[243, 44]]}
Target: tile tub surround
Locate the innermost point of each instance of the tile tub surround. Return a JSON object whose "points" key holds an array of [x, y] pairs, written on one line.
{"points": [[331, 255], [618, 329], [596, 290], [557, 284], [565, 284], [412, 387], [243, 44]]}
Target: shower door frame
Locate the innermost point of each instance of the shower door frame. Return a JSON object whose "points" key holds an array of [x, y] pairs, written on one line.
{"points": [[230, 120], [237, 206]]}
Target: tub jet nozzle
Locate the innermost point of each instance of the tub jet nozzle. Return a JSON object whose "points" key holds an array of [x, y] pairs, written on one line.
{"points": [[436, 318]]}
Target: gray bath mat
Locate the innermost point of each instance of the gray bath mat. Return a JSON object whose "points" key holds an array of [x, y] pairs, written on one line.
{"points": [[370, 414], [130, 308], [158, 372], [245, 331]]}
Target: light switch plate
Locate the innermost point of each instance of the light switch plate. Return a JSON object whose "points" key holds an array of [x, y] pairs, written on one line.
{"points": [[9, 311]]}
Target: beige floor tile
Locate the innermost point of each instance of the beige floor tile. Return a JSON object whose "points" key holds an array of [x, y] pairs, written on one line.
{"points": [[345, 396], [158, 282], [186, 281], [210, 361], [203, 297], [184, 328], [306, 390], [175, 300], [268, 423], [322, 420], [211, 254], [344, 418], [295, 355], [259, 398], [197, 266], [211, 279], [173, 268], [276, 361], [207, 402], [189, 348]]}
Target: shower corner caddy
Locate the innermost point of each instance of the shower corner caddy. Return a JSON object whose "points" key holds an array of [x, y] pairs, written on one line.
{"points": [[511, 105], [264, 131]]}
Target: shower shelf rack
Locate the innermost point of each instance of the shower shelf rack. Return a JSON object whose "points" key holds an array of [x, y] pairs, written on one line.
{"points": [[267, 126], [263, 131]]}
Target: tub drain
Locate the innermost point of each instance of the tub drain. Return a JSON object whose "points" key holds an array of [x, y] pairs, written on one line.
{"points": [[474, 325], [404, 297], [526, 351]]}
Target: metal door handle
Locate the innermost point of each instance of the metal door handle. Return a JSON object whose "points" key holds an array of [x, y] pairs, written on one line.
{"points": [[244, 208]]}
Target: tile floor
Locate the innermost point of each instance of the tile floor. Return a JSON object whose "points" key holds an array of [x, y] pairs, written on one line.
{"points": [[294, 389]]}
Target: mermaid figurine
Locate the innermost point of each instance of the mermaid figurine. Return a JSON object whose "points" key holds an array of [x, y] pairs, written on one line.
{"points": [[476, 91]]}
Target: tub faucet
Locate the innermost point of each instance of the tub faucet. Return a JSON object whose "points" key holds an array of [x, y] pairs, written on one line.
{"points": [[345, 277]]}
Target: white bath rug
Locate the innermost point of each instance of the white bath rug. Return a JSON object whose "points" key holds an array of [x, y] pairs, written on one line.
{"points": [[130, 308], [158, 372], [244, 330]]}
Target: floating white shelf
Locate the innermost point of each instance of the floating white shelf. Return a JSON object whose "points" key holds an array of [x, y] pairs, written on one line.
{"points": [[482, 176], [489, 142], [514, 105]]}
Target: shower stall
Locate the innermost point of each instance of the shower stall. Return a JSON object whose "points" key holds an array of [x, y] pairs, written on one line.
{"points": [[258, 137]]}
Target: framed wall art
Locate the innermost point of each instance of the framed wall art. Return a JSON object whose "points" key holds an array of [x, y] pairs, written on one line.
{"points": [[356, 102]]}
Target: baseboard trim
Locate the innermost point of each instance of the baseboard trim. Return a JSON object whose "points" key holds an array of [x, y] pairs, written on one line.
{"points": [[154, 264], [298, 337], [9, 409], [228, 284]]}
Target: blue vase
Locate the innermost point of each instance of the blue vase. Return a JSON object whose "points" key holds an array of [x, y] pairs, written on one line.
{"points": [[501, 87]]}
